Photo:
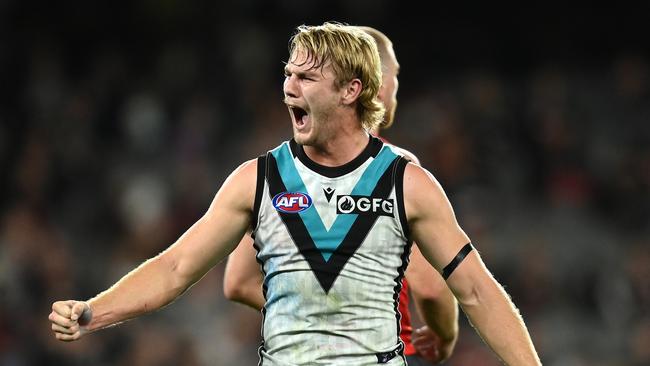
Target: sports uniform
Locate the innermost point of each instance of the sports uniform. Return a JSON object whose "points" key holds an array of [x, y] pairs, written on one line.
{"points": [[406, 329], [333, 244]]}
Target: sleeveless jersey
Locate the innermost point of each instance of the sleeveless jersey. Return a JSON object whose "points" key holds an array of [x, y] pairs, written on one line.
{"points": [[405, 322], [333, 244]]}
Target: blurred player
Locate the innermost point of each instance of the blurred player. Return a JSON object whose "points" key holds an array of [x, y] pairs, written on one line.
{"points": [[333, 262], [435, 303]]}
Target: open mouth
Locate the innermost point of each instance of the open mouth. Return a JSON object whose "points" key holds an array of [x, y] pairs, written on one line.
{"points": [[300, 116]]}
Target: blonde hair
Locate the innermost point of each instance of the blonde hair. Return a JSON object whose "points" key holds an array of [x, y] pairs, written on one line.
{"points": [[352, 54]]}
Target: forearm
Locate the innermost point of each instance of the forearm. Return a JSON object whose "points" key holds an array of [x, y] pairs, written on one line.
{"points": [[160, 280], [250, 295], [434, 301], [441, 315], [498, 322], [242, 279], [152, 285]]}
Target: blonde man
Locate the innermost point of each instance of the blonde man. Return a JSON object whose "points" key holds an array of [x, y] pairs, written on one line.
{"points": [[435, 303], [332, 267]]}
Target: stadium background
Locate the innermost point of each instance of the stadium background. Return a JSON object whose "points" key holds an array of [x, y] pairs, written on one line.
{"points": [[118, 123]]}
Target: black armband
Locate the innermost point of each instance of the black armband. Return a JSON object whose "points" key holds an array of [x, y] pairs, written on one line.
{"points": [[462, 253]]}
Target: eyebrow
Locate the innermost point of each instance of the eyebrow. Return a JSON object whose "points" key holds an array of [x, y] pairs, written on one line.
{"points": [[301, 73]]}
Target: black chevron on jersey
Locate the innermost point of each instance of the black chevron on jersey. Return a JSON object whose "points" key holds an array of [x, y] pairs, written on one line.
{"points": [[326, 272]]}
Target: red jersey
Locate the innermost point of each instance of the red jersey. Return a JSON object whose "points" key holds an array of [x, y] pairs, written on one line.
{"points": [[405, 320]]}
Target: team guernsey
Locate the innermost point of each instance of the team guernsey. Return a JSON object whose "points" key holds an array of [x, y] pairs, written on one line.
{"points": [[333, 244], [405, 313]]}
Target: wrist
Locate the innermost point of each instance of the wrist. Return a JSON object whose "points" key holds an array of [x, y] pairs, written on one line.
{"points": [[86, 316]]}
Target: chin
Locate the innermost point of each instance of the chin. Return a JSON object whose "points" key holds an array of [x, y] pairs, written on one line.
{"points": [[302, 138]]}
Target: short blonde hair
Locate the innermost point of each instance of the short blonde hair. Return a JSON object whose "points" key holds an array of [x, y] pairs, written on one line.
{"points": [[353, 54]]}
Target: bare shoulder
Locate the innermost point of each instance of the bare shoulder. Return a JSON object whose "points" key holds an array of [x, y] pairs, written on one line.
{"points": [[244, 175], [249, 167], [422, 191], [240, 186], [417, 175]]}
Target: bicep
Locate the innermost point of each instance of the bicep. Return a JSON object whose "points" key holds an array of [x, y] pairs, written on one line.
{"points": [[431, 218], [217, 233], [423, 279], [470, 278], [439, 237]]}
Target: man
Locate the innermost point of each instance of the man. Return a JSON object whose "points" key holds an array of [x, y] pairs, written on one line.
{"points": [[331, 293], [436, 304]]}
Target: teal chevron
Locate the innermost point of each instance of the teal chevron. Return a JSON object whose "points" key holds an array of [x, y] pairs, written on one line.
{"points": [[328, 240]]}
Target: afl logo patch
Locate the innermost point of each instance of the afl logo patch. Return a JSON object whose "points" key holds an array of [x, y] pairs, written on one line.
{"points": [[291, 202]]}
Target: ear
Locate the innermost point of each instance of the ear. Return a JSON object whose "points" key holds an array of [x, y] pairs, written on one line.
{"points": [[350, 92]]}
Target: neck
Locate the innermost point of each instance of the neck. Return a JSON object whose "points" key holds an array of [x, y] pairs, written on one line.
{"points": [[339, 150]]}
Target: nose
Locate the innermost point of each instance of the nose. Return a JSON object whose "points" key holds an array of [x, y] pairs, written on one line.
{"points": [[290, 86]]}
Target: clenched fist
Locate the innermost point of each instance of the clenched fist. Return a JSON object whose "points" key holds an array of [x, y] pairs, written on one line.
{"points": [[428, 345], [69, 319]]}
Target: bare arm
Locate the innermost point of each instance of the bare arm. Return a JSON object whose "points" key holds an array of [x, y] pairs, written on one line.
{"points": [[242, 281], [434, 301], [161, 279], [484, 301]]}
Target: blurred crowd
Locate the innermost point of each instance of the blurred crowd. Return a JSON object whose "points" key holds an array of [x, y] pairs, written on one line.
{"points": [[111, 147]]}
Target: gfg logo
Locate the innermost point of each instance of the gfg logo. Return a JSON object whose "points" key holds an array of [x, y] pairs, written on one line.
{"points": [[291, 202], [364, 205]]}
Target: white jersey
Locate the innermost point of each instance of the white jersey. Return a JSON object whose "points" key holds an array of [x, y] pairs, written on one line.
{"points": [[333, 244]]}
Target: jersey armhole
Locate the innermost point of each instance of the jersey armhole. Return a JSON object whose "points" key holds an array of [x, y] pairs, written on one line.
{"points": [[259, 190], [399, 196]]}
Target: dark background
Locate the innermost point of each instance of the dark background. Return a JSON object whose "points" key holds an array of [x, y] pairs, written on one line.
{"points": [[119, 121]]}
